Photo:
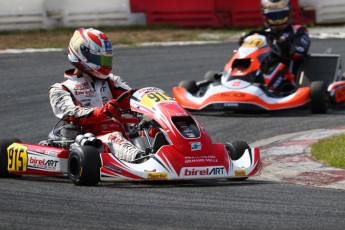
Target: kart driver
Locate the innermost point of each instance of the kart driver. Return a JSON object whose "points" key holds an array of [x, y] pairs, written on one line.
{"points": [[89, 90], [293, 41]]}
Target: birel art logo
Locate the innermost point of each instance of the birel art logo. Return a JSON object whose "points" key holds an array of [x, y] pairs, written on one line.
{"points": [[203, 171], [43, 162]]}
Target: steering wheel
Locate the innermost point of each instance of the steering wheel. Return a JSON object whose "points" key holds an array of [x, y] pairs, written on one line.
{"points": [[119, 99], [125, 94]]}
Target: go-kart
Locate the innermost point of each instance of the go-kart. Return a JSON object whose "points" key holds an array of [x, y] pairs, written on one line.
{"points": [[180, 150], [248, 80]]}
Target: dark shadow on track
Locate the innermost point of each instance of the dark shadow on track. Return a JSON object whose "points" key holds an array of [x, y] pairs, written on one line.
{"points": [[335, 110], [185, 184], [147, 184]]}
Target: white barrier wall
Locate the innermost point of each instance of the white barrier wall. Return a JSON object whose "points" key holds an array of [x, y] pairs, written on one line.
{"points": [[22, 14], [327, 11], [75, 13], [35, 14]]}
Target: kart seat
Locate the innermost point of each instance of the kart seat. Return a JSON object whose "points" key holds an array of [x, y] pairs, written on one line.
{"points": [[159, 141]]}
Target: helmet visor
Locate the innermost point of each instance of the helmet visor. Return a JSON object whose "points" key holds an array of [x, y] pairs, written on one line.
{"points": [[277, 15], [105, 60], [100, 60]]}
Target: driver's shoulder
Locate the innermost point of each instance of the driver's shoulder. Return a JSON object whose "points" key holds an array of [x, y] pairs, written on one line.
{"points": [[113, 77]]}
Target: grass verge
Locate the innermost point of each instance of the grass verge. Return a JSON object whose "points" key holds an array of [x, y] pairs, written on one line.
{"points": [[330, 151], [126, 35]]}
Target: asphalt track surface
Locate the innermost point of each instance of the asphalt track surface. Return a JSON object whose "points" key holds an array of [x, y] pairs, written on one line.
{"points": [[55, 203]]}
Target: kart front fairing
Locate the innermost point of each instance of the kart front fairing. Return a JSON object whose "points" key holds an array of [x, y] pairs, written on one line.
{"points": [[235, 94], [190, 154], [171, 164]]}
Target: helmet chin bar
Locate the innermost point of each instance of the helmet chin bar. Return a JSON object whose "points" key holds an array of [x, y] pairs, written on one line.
{"points": [[89, 73]]}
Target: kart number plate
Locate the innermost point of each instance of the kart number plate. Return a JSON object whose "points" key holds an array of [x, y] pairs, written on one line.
{"points": [[254, 42], [153, 98], [17, 157]]}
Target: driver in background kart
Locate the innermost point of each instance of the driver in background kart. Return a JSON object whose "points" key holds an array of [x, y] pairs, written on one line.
{"points": [[89, 90], [294, 42]]}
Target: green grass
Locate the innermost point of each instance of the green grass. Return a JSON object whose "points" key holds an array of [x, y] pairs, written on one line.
{"points": [[119, 35], [330, 151]]}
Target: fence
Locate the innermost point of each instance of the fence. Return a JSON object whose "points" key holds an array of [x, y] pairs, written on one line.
{"points": [[327, 12], [72, 13], [33, 14], [214, 13], [36, 14], [22, 14]]}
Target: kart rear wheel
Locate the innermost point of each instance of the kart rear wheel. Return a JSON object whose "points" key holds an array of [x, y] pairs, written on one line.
{"points": [[236, 150], [319, 97], [190, 86], [4, 143], [84, 166]]}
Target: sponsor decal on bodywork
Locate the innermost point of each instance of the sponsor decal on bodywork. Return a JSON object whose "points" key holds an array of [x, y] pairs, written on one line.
{"points": [[113, 168], [157, 176], [233, 94], [43, 162], [203, 171], [240, 172], [200, 159], [228, 104], [195, 146]]}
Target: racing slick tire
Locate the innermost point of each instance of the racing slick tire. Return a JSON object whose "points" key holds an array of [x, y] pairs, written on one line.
{"points": [[84, 165], [212, 76], [319, 97], [236, 150], [4, 143], [190, 86]]}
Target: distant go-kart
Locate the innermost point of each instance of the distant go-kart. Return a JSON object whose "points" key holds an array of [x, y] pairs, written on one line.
{"points": [[245, 84], [181, 149]]}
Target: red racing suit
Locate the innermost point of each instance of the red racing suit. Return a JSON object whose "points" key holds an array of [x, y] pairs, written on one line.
{"points": [[79, 97], [76, 98]]}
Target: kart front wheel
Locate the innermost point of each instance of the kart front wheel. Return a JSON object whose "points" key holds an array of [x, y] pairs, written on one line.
{"points": [[190, 86], [319, 97], [212, 76], [84, 166], [236, 150], [4, 144]]}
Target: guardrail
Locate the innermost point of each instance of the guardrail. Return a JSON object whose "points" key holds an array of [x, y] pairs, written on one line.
{"points": [[214, 13], [327, 12], [74, 13], [22, 14], [194, 13], [34, 14], [330, 12]]}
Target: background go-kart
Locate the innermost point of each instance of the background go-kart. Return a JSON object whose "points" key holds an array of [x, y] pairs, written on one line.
{"points": [[55, 203]]}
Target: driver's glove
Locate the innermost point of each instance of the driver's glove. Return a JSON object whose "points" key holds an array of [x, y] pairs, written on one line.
{"points": [[110, 108]]}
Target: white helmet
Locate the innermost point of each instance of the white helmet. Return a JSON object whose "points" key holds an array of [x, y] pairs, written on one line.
{"points": [[91, 52], [276, 13]]}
